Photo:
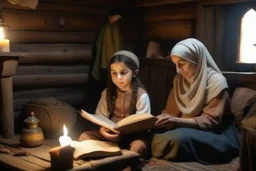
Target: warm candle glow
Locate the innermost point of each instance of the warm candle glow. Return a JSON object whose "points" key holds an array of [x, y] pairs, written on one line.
{"points": [[65, 130], [4, 43], [65, 139], [1, 33]]}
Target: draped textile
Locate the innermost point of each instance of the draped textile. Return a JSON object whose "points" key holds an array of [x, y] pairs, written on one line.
{"points": [[108, 42], [25, 3], [192, 94]]}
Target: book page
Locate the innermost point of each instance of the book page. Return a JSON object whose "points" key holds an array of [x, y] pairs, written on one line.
{"points": [[99, 120], [94, 148], [136, 123], [139, 126], [134, 118]]}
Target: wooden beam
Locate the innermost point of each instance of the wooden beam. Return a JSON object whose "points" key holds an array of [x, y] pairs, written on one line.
{"points": [[72, 8], [49, 69], [219, 34], [147, 3], [97, 3], [169, 30], [56, 7], [56, 58], [50, 37], [221, 2], [209, 29], [199, 21], [101, 3], [175, 14], [54, 53], [51, 21], [46, 81], [61, 37], [242, 77], [58, 47], [24, 93]]}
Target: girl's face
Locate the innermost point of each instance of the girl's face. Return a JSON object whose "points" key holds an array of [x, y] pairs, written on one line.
{"points": [[185, 68], [121, 76]]}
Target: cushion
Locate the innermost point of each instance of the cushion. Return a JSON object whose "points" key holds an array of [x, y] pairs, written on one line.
{"points": [[119, 162], [53, 114], [241, 101], [252, 111]]}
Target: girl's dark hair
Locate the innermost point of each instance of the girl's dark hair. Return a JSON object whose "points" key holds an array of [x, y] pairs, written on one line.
{"points": [[112, 88]]}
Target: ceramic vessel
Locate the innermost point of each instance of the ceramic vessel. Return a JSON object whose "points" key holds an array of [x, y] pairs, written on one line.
{"points": [[32, 135]]}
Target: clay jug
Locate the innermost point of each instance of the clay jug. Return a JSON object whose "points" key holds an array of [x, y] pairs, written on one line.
{"points": [[32, 135]]}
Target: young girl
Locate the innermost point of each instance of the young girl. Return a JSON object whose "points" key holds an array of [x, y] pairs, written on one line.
{"points": [[124, 96]]}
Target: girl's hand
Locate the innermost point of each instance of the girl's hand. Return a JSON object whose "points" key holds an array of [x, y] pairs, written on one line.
{"points": [[110, 135], [166, 121]]}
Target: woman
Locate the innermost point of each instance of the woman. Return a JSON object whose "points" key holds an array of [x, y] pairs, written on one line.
{"points": [[196, 124]]}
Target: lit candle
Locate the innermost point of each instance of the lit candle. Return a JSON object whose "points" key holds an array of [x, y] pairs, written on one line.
{"points": [[4, 43], [65, 139], [62, 157]]}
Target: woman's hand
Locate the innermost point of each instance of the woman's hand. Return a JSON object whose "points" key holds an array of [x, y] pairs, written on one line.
{"points": [[166, 121], [110, 135]]}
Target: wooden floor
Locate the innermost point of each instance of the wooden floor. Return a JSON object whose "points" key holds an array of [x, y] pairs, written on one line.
{"points": [[37, 158]]}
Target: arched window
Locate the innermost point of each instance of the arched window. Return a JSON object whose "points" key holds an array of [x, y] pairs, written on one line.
{"points": [[247, 50]]}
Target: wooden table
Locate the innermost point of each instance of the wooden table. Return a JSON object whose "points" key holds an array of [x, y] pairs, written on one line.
{"points": [[39, 158], [8, 63]]}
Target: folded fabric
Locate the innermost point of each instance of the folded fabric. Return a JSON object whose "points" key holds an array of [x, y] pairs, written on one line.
{"points": [[25, 3]]}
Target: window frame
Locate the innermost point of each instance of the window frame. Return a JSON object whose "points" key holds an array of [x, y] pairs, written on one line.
{"points": [[232, 17]]}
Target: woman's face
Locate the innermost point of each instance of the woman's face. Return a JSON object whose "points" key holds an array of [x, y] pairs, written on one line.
{"points": [[186, 68]]}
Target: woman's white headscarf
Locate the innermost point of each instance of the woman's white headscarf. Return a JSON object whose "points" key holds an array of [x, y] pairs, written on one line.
{"points": [[192, 94]]}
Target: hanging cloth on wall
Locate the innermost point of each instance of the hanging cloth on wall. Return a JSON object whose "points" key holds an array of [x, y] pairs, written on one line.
{"points": [[108, 42], [25, 3]]}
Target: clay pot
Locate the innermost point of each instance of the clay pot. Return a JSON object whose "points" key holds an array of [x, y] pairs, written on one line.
{"points": [[32, 135]]}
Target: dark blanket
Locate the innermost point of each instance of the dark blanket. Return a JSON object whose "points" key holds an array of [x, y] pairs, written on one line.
{"points": [[187, 144]]}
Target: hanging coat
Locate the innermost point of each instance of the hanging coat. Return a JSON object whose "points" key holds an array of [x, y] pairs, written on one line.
{"points": [[108, 42]]}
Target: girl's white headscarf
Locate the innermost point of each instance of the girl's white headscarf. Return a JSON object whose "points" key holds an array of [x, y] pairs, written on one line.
{"points": [[192, 94]]}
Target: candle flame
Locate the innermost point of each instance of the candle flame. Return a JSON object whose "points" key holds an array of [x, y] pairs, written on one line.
{"points": [[65, 130], [1, 33], [65, 139]]}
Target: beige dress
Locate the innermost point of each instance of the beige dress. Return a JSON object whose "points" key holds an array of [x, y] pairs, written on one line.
{"points": [[135, 142]]}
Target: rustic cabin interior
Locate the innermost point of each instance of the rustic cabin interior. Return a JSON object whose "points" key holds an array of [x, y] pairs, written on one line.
{"points": [[47, 49]]}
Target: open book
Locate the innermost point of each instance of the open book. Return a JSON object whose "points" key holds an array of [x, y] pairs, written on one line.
{"points": [[131, 124], [94, 149]]}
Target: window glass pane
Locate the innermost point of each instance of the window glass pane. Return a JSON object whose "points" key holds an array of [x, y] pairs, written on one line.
{"points": [[247, 53]]}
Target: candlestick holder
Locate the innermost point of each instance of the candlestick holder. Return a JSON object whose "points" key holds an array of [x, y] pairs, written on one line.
{"points": [[62, 157], [8, 63]]}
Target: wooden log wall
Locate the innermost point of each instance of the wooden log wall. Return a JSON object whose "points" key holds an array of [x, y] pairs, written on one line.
{"points": [[167, 21], [210, 21], [218, 25], [59, 36], [157, 76]]}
